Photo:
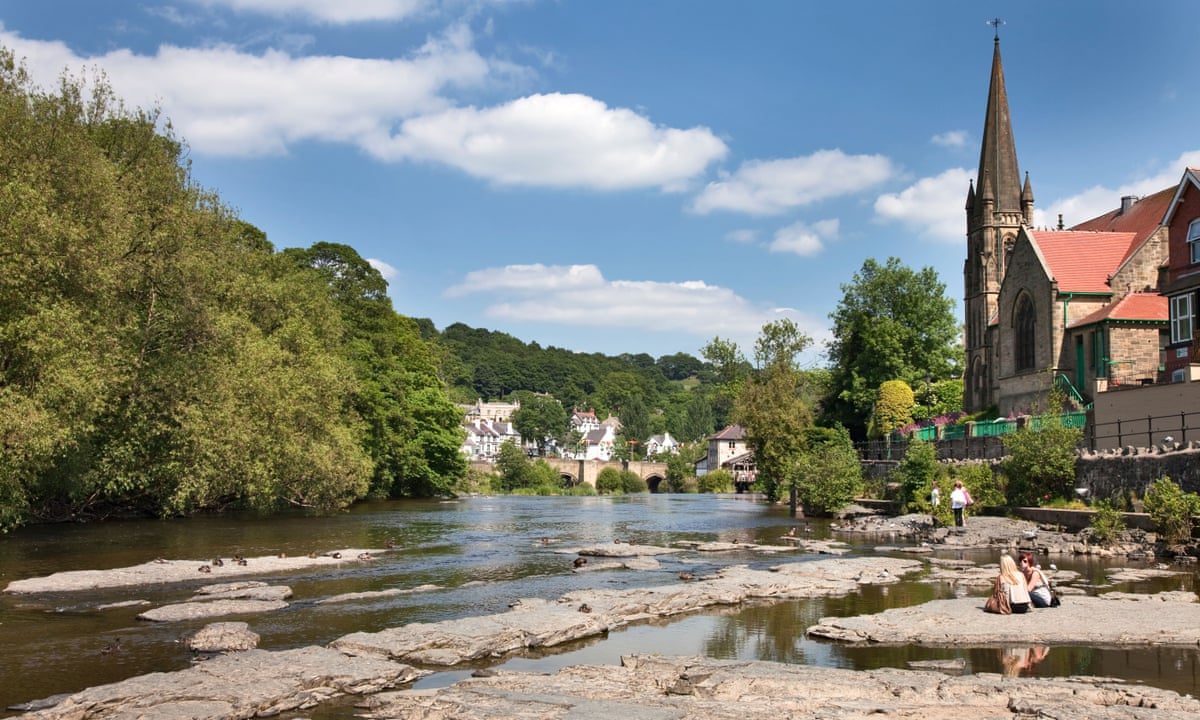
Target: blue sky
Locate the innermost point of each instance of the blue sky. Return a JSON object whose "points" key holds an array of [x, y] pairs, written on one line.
{"points": [[637, 175]]}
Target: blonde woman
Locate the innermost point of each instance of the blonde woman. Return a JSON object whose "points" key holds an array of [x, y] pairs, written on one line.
{"points": [[1009, 593]]}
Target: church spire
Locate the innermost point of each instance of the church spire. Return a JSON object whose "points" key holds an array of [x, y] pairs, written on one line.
{"points": [[998, 153]]}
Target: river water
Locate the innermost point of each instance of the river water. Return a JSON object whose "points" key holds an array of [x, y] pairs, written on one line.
{"points": [[482, 553]]}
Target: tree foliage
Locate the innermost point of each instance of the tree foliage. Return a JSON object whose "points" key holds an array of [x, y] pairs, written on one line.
{"points": [[828, 475], [157, 356], [1172, 510], [893, 408], [540, 418], [1041, 458], [772, 410], [915, 474], [892, 323]]}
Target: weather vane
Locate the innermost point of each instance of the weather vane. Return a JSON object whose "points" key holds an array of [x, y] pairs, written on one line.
{"points": [[996, 23]]}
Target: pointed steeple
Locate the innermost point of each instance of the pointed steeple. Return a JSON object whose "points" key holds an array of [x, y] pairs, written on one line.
{"points": [[971, 197], [998, 153]]}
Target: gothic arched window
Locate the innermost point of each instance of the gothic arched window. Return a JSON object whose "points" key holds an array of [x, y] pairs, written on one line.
{"points": [[1024, 326]]}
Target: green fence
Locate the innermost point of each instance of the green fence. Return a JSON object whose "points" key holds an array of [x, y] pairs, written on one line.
{"points": [[997, 427]]}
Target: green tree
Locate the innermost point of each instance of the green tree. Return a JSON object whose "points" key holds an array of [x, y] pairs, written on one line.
{"points": [[729, 370], [411, 428], [1041, 458], [540, 418], [893, 408], [681, 466], [915, 473], [892, 322], [520, 474], [828, 475], [635, 426], [771, 409]]}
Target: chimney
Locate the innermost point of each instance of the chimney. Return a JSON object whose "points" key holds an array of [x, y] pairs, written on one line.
{"points": [[1127, 202]]}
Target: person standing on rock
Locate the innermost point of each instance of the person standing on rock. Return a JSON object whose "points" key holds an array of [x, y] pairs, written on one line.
{"points": [[959, 500]]}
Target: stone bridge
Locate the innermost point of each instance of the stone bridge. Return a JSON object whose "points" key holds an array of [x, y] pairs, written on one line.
{"points": [[585, 471]]}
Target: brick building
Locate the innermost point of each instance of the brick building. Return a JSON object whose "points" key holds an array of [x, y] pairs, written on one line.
{"points": [[1081, 303]]}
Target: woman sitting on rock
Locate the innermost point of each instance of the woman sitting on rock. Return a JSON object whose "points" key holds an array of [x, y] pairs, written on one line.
{"points": [[1035, 581], [1009, 592]]}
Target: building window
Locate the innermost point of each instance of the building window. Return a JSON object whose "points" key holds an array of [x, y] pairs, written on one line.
{"points": [[1025, 326], [1181, 318], [1193, 241]]}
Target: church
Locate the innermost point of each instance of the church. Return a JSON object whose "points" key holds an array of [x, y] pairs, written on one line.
{"points": [[1075, 307]]}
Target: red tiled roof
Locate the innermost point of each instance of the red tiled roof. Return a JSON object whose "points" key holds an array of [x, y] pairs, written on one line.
{"points": [[1082, 261], [1141, 219], [1134, 306], [732, 432]]}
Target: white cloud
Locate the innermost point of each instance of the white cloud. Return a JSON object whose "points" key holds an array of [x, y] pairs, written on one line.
{"points": [[804, 239], [580, 296], [224, 101], [227, 102], [952, 138], [565, 140], [387, 271], [335, 11], [1098, 200], [768, 187], [530, 278], [932, 207]]}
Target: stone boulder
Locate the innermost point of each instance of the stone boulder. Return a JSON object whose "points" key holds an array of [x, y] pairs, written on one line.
{"points": [[223, 637]]}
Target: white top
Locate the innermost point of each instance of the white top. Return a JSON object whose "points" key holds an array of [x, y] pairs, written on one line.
{"points": [[958, 498]]}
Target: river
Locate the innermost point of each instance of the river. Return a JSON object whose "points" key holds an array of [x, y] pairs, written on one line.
{"points": [[482, 553]]}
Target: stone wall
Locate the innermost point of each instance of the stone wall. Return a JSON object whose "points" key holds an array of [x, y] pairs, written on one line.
{"points": [[1133, 469]]}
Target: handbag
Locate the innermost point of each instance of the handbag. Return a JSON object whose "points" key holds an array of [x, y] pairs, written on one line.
{"points": [[998, 602], [1017, 594]]}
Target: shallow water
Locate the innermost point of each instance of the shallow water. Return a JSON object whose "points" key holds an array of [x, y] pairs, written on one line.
{"points": [[483, 553]]}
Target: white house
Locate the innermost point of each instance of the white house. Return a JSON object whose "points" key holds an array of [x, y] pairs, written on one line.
{"points": [[661, 444], [584, 421], [484, 438], [597, 444]]}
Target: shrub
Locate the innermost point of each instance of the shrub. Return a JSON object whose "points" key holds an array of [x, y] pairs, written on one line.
{"points": [[632, 483], [829, 474], [1041, 462], [582, 489], [1107, 523], [893, 408], [1171, 509], [608, 481], [981, 482], [915, 474], [717, 481]]}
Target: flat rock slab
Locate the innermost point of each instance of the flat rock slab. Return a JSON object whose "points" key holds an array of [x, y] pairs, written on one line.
{"points": [[251, 590], [210, 608], [374, 594], [621, 550], [1118, 621], [170, 571], [255, 683], [666, 688], [586, 613]]}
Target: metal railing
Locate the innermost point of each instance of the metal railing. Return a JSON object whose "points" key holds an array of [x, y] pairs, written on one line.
{"points": [[1146, 431]]}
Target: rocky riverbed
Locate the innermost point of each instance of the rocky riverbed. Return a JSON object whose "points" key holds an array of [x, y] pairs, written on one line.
{"points": [[262, 682]]}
